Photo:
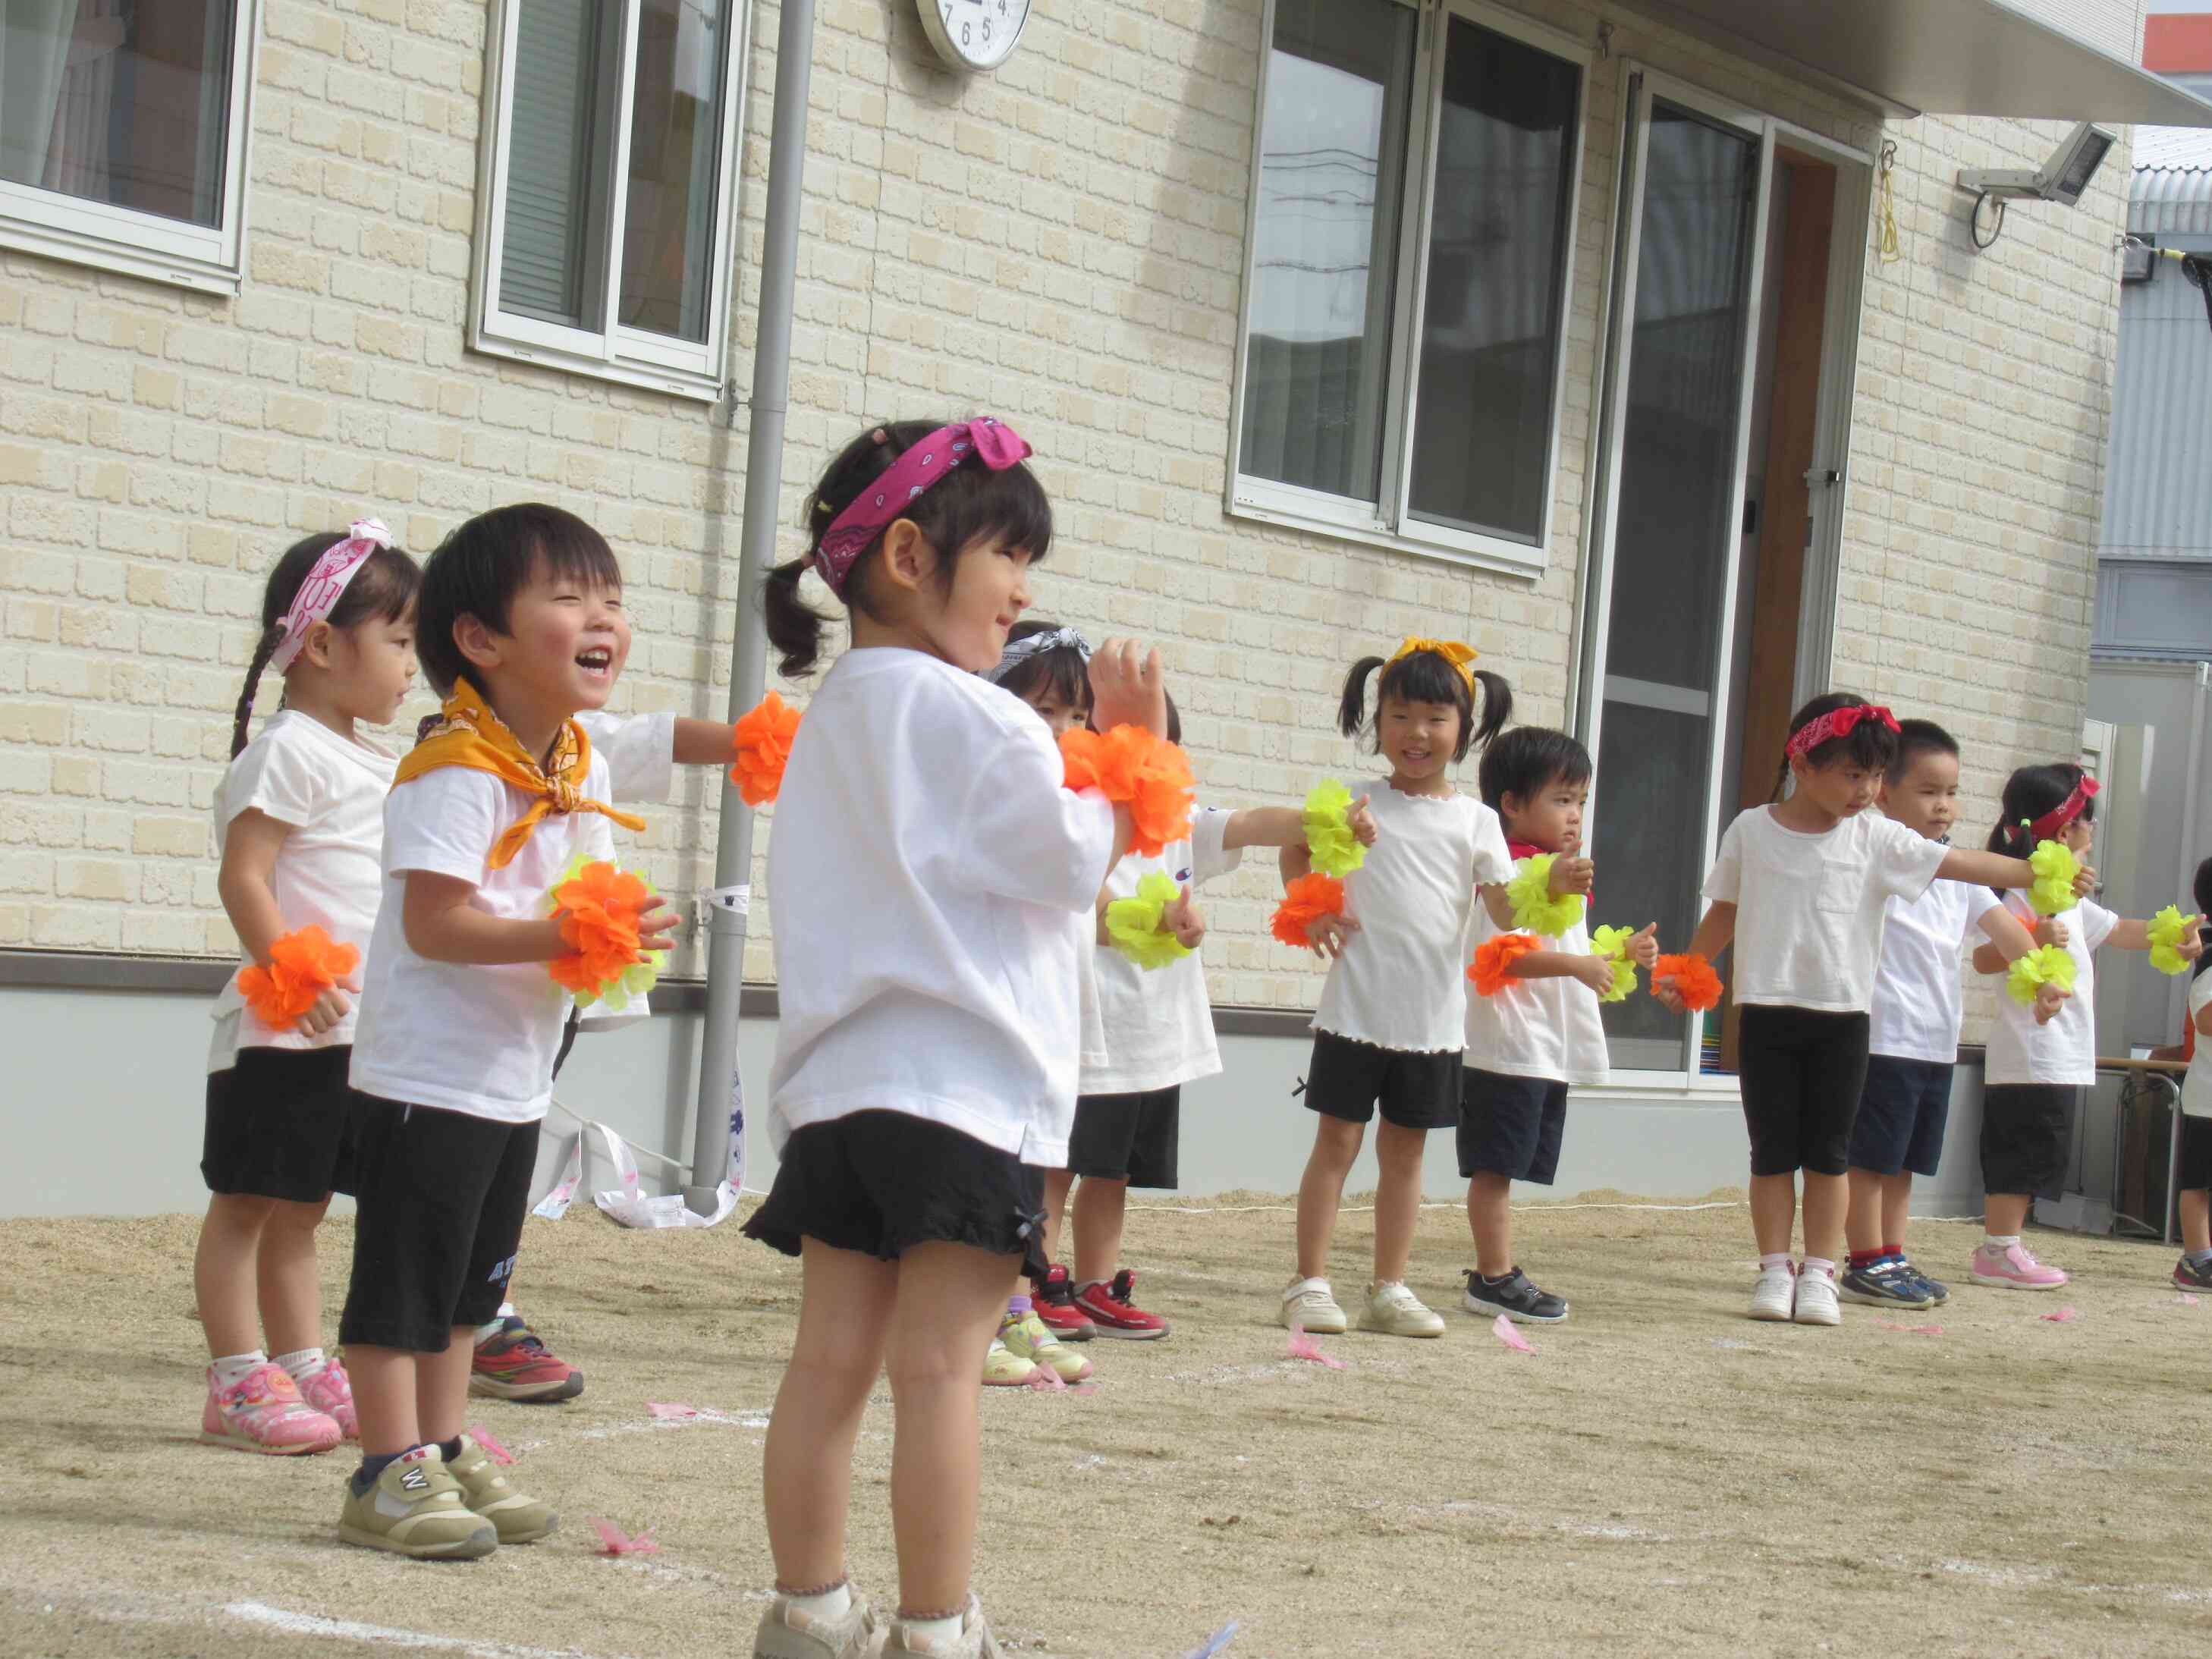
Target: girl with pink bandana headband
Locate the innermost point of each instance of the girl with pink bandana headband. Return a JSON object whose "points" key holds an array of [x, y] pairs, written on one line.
{"points": [[934, 883], [299, 826]]}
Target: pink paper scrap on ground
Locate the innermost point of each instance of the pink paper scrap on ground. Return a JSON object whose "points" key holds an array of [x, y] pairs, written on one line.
{"points": [[493, 1449], [672, 1410], [1510, 1334], [612, 1541], [2187, 1300], [1911, 1330], [1304, 1347], [2064, 1315]]}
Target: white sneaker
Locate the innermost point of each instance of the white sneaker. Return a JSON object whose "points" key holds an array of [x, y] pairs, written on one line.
{"points": [[1308, 1307], [1397, 1312], [1771, 1295], [1816, 1300]]}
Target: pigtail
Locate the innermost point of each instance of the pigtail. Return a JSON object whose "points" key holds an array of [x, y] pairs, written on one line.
{"points": [[272, 637], [1352, 711], [794, 627], [1496, 709], [1781, 782]]}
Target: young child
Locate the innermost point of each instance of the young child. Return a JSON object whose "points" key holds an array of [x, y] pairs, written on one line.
{"points": [[925, 1056], [1393, 1018], [1540, 1033], [521, 614], [2033, 1068], [2193, 1272], [1801, 887], [298, 824], [1913, 1028]]}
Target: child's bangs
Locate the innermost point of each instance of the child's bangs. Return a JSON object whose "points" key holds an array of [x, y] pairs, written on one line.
{"points": [[978, 505], [570, 550], [1869, 745], [1061, 672], [389, 584], [1425, 677]]}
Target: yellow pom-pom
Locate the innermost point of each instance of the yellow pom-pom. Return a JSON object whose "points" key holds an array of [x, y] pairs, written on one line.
{"points": [[2056, 868], [2167, 929], [1335, 851], [1536, 908], [1612, 944], [1134, 924], [2047, 964]]}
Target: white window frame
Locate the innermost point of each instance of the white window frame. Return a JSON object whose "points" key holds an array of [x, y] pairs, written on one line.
{"points": [[1389, 522], [628, 356], [206, 257]]}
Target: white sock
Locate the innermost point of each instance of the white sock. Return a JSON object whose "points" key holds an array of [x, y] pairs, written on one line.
{"points": [[506, 1310], [1772, 1260], [303, 1363], [834, 1603], [934, 1630], [485, 1332], [1998, 1244], [1822, 1265], [233, 1369]]}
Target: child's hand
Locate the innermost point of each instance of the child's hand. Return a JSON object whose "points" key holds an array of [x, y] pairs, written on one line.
{"points": [[1644, 948], [656, 926], [1572, 874], [1127, 690], [2049, 1000], [329, 1009], [1328, 935], [2190, 944], [1594, 971], [1664, 990], [1184, 921], [2085, 882], [1362, 822], [2051, 931]]}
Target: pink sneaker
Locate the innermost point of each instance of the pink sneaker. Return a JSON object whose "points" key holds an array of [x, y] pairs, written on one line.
{"points": [[264, 1414], [329, 1391], [2014, 1268]]}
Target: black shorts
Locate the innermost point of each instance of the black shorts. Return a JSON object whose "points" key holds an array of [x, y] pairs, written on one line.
{"points": [[2196, 1174], [2028, 1136], [1902, 1112], [282, 1123], [1802, 1072], [441, 1199], [1346, 1079], [878, 1184], [1132, 1137], [1511, 1126]]}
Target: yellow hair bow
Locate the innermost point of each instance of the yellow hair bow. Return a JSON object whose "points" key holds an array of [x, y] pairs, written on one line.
{"points": [[1459, 656]]}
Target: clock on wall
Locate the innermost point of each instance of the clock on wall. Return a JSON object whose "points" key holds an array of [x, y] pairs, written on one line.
{"points": [[973, 35]]}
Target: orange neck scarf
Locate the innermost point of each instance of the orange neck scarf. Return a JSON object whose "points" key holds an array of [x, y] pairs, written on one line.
{"points": [[468, 733]]}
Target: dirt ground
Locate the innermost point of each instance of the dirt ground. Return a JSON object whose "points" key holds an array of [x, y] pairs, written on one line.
{"points": [[1660, 1474]]}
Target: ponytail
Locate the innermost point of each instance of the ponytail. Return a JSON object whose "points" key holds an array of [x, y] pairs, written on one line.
{"points": [[272, 637], [1426, 676], [794, 627], [1352, 707], [1496, 707]]}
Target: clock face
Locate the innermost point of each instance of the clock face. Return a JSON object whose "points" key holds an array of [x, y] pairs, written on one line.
{"points": [[976, 34]]}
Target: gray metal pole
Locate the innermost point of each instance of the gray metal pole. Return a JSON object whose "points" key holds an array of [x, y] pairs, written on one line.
{"points": [[733, 848]]}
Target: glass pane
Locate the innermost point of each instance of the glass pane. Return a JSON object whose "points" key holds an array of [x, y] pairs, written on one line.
{"points": [[674, 166], [559, 162], [1332, 162], [1672, 542], [1496, 300], [125, 102]]}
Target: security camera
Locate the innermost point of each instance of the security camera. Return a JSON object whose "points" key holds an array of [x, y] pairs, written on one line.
{"points": [[2062, 178]]}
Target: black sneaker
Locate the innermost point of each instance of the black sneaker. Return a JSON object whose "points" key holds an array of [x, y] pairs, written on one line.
{"points": [[1938, 1291], [1885, 1284], [1514, 1297], [2192, 1275]]}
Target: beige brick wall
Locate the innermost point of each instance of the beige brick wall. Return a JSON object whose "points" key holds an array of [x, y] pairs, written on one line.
{"points": [[1061, 242]]}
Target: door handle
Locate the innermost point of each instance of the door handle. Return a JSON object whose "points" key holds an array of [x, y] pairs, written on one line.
{"points": [[1822, 475]]}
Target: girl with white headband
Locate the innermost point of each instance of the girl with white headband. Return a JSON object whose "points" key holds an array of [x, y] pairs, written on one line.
{"points": [[299, 829]]}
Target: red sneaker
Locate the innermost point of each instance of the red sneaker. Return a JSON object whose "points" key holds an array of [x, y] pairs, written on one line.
{"points": [[1054, 1302], [1108, 1308], [512, 1363]]}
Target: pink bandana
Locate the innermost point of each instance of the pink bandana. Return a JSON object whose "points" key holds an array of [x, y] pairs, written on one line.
{"points": [[907, 478], [1837, 723], [2066, 811], [318, 595]]}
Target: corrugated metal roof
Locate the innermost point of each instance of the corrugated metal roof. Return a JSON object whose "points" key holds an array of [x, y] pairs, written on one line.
{"points": [[2158, 477], [2172, 147]]}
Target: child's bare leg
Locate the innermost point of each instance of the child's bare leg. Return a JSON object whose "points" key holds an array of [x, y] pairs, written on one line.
{"points": [[1490, 1219], [2196, 1218], [1896, 1206], [1397, 1198], [1101, 1211], [290, 1289], [1057, 1184], [1863, 1226], [806, 1476], [384, 1398], [2004, 1214], [1773, 1211], [441, 1386], [223, 1269], [950, 1298], [1320, 1189], [1827, 1196]]}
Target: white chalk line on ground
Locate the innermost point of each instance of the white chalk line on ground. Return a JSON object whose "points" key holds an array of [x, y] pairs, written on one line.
{"points": [[1518, 1209], [312, 1623]]}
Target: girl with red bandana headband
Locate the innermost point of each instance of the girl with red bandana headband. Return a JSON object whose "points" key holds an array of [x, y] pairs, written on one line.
{"points": [[1800, 887], [2035, 1071]]}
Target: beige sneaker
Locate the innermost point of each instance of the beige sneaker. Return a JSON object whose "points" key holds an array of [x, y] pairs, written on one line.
{"points": [[416, 1508], [973, 1642], [1308, 1307], [1003, 1369], [1027, 1337], [784, 1632], [519, 1519], [1397, 1312]]}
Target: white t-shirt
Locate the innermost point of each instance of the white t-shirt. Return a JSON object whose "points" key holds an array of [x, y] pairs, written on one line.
{"points": [[2196, 1082], [478, 1040], [934, 890], [2065, 1050], [1401, 981], [1917, 1003], [640, 750], [1538, 1028], [1159, 1024], [330, 791], [1810, 907]]}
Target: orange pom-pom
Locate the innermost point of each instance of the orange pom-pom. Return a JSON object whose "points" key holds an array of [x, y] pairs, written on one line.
{"points": [[302, 965], [1131, 767], [1305, 901], [1494, 957], [599, 908], [1693, 979], [760, 744]]}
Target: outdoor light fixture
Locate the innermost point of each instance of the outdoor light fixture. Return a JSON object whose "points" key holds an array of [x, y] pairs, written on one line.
{"points": [[2062, 178]]}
